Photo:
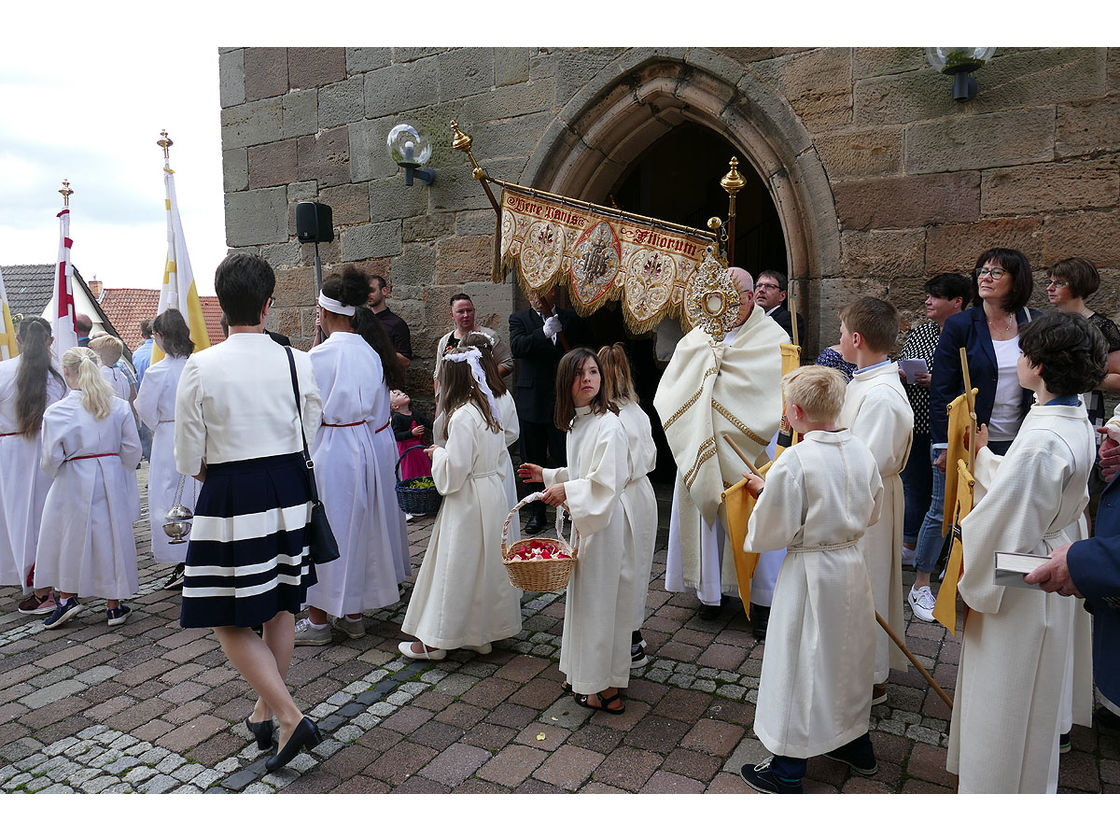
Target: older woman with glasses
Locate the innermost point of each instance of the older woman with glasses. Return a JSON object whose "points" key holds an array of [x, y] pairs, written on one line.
{"points": [[1071, 281], [989, 332]]}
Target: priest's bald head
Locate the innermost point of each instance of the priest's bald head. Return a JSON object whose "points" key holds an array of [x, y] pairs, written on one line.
{"points": [[745, 284]]}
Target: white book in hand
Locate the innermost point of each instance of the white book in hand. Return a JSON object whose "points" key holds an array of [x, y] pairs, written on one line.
{"points": [[1012, 567]]}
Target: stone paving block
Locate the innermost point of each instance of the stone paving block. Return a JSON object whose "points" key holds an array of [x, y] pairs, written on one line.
{"points": [[192, 733], [569, 767], [407, 720], [627, 768], [554, 736], [400, 762], [665, 782], [490, 737], [455, 764], [52, 693], [694, 765]]}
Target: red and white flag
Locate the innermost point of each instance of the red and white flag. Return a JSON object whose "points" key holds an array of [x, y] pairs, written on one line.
{"points": [[63, 311]]}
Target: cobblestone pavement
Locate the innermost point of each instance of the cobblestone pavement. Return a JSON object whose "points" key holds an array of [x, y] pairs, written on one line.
{"points": [[150, 707]]}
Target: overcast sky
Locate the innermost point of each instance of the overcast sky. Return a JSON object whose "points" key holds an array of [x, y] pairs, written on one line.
{"points": [[85, 89]]}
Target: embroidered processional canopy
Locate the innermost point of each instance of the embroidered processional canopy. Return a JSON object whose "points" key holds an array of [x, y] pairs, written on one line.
{"points": [[603, 254]]}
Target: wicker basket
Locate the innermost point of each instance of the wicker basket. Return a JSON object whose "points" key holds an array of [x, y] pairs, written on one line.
{"points": [[417, 500], [542, 575]]}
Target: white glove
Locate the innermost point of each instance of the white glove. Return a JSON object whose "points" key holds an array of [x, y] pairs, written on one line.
{"points": [[552, 327]]}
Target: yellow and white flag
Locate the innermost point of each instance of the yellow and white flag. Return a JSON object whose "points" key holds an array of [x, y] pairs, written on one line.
{"points": [[8, 347], [178, 290]]}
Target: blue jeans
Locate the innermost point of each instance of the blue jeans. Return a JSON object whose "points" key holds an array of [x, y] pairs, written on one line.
{"points": [[917, 480], [928, 548], [930, 540]]}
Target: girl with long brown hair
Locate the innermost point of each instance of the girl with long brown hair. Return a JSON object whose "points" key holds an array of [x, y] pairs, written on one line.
{"points": [[29, 383], [462, 597], [637, 496], [595, 649]]}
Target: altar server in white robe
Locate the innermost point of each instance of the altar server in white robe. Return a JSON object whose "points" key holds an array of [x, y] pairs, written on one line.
{"points": [[511, 426], [814, 695], [878, 412], [354, 370], [462, 597], [109, 349], [1017, 652], [638, 499], [29, 384], [599, 607], [155, 404], [711, 388], [90, 449]]}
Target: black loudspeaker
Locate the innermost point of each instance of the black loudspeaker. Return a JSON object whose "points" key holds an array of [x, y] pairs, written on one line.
{"points": [[313, 222]]}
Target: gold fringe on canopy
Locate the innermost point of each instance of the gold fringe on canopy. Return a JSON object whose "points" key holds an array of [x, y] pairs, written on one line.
{"points": [[602, 254]]}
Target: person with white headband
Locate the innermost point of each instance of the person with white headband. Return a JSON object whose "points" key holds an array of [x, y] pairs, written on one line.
{"points": [[462, 597], [355, 454]]}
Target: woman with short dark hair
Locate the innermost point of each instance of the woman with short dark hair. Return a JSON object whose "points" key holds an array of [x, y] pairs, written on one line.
{"points": [[237, 430], [1070, 282]]}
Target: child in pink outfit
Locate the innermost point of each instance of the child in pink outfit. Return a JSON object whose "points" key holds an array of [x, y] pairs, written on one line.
{"points": [[410, 429]]}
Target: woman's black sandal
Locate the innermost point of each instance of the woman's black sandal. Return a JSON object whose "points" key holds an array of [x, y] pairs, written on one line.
{"points": [[604, 702]]}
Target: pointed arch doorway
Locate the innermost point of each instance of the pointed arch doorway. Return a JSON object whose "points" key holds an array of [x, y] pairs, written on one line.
{"points": [[677, 179]]}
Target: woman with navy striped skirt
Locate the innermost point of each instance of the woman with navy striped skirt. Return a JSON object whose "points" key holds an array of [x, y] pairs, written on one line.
{"points": [[237, 430]]}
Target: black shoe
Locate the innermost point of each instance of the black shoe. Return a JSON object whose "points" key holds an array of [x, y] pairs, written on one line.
{"points": [[63, 612], [764, 780], [175, 581], [305, 736], [1106, 719], [760, 618], [263, 732], [861, 761], [1064, 744], [710, 612], [535, 525]]}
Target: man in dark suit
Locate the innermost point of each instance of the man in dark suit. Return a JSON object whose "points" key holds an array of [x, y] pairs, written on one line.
{"points": [[1090, 569], [538, 338], [771, 293]]}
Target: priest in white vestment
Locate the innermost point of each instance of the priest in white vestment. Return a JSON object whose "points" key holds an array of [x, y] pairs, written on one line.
{"points": [[711, 388]]}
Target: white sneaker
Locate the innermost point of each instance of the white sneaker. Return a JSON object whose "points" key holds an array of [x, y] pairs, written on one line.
{"points": [[306, 634], [907, 557], [922, 603]]}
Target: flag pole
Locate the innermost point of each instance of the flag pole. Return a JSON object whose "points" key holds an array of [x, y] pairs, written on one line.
{"points": [[66, 193]]}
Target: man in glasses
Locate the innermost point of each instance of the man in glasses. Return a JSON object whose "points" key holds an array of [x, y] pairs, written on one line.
{"points": [[770, 292]]}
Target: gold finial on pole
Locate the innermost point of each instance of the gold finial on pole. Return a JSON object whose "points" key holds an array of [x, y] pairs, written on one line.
{"points": [[732, 182], [462, 142], [165, 143], [66, 193]]}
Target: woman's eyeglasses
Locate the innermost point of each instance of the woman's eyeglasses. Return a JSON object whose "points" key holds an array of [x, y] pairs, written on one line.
{"points": [[1058, 284], [994, 273]]}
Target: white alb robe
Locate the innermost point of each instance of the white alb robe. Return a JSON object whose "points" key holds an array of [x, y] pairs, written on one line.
{"points": [[23, 486], [818, 667], [155, 403], [462, 594], [639, 502], [511, 430], [1017, 650], [878, 412], [710, 389], [356, 491], [86, 544], [599, 607]]}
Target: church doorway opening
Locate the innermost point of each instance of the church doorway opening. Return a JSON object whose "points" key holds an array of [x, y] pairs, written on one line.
{"points": [[677, 179]]}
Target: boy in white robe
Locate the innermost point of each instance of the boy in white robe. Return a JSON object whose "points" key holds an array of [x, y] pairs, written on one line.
{"points": [[878, 412], [821, 495], [1014, 678]]}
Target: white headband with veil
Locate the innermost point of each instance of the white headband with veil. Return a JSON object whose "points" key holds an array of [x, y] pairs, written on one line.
{"points": [[473, 357]]}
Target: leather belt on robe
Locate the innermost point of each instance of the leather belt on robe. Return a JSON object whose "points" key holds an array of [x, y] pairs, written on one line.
{"points": [[355, 423], [99, 455]]}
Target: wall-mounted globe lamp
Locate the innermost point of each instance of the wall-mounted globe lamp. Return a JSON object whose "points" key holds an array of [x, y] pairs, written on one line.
{"points": [[410, 150], [960, 63]]}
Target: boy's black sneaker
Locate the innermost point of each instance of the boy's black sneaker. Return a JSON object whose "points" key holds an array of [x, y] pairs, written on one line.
{"points": [[764, 780], [638, 656], [117, 615], [862, 761]]}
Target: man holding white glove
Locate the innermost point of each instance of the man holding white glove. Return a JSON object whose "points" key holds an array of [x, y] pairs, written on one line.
{"points": [[538, 338]]}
